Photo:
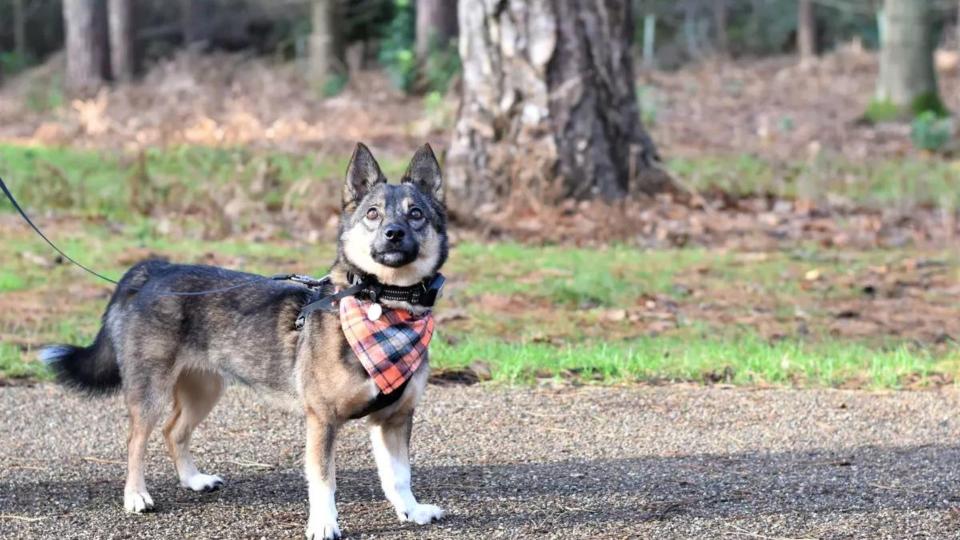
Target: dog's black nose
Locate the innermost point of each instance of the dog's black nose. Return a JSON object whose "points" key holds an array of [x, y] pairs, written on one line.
{"points": [[394, 233]]}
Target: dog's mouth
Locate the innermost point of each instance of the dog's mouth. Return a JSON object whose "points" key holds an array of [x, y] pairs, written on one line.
{"points": [[394, 258]]}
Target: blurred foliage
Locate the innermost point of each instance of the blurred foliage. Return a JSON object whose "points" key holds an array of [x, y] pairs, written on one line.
{"points": [[396, 48], [649, 101], [441, 66], [686, 30], [12, 63], [929, 102], [931, 131], [879, 111], [43, 28]]}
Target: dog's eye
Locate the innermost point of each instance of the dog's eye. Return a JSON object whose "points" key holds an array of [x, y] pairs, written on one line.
{"points": [[415, 213], [373, 214]]}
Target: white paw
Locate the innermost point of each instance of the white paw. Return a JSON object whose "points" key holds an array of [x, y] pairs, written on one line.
{"points": [[422, 514], [317, 530], [203, 482], [137, 502]]}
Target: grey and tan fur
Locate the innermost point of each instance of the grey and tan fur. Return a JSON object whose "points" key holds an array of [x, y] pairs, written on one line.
{"points": [[179, 352]]}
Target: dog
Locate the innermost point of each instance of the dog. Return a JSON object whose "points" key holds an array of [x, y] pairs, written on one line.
{"points": [[176, 335]]}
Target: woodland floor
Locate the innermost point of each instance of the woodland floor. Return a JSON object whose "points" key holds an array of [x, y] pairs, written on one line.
{"points": [[816, 250]]}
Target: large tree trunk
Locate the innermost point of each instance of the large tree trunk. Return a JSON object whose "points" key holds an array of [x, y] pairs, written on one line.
{"points": [[549, 108], [324, 46], [806, 32], [436, 25], [907, 75], [84, 45], [121, 39]]}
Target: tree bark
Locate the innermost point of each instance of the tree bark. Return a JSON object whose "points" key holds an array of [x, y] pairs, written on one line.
{"points": [[324, 46], [84, 46], [121, 39], [806, 32], [194, 19], [720, 22], [19, 30], [549, 108], [436, 25], [907, 74]]}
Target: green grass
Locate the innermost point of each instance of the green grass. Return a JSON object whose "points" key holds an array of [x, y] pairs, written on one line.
{"points": [[571, 277], [747, 360], [567, 337], [529, 311], [94, 182], [879, 183], [13, 365], [119, 185], [11, 281]]}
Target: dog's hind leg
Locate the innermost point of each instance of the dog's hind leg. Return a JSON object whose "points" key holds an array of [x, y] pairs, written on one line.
{"points": [[194, 396], [142, 421], [391, 450]]}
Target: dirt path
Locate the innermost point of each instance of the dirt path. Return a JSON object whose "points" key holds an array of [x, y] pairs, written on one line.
{"points": [[665, 462]]}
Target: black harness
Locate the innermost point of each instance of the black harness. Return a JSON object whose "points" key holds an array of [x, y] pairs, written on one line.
{"points": [[424, 293]]}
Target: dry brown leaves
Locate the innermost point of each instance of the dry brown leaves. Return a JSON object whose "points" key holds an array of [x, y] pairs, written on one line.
{"points": [[721, 220]]}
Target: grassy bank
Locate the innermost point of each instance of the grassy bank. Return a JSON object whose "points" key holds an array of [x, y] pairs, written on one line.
{"points": [[520, 313]]}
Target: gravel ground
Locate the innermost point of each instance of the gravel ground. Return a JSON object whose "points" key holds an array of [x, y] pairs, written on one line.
{"points": [[643, 462]]}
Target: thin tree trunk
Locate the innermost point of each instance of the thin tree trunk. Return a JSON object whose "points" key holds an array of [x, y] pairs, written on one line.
{"points": [[907, 75], [84, 46], [121, 39], [436, 25], [806, 32], [193, 15], [19, 30], [720, 22], [690, 29], [549, 108], [324, 58]]}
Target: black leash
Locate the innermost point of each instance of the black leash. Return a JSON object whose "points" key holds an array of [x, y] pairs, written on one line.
{"points": [[29, 221], [306, 280]]}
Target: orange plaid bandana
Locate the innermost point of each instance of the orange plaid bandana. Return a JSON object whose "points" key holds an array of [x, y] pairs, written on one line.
{"points": [[389, 348]]}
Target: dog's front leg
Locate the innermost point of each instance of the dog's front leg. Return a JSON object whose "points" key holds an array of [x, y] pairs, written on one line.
{"points": [[321, 476], [391, 449]]}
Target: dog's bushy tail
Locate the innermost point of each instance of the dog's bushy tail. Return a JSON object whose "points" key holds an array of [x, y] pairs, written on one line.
{"points": [[92, 369]]}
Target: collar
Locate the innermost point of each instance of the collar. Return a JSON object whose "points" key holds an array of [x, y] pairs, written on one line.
{"points": [[424, 293]]}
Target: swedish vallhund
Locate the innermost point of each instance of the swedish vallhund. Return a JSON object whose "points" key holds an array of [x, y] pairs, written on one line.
{"points": [[349, 346]]}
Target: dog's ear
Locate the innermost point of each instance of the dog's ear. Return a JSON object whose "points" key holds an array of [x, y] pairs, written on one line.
{"points": [[363, 173], [424, 173]]}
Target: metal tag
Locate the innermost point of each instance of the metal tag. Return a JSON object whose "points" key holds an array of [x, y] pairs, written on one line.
{"points": [[374, 311]]}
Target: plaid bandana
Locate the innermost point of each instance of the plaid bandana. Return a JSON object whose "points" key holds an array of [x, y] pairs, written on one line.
{"points": [[391, 347]]}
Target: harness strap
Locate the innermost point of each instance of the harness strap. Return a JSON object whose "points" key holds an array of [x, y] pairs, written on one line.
{"points": [[326, 303]]}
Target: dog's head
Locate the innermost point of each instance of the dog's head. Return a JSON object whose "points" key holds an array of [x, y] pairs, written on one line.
{"points": [[395, 232]]}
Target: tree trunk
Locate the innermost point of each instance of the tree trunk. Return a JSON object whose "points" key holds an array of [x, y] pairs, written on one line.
{"points": [[720, 22], [907, 75], [194, 18], [806, 32], [324, 58], [84, 46], [121, 39], [549, 108], [19, 30], [436, 25]]}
